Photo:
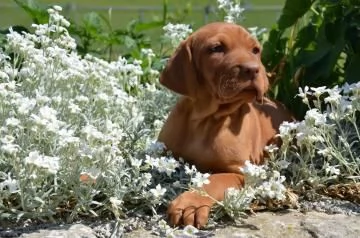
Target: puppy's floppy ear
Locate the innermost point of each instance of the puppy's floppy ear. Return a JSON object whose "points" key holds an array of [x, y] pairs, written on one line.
{"points": [[179, 74]]}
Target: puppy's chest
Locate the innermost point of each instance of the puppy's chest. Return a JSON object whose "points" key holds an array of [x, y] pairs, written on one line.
{"points": [[214, 143]]}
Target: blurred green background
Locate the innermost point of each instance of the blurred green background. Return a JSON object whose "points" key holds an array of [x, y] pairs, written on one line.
{"points": [[262, 13]]}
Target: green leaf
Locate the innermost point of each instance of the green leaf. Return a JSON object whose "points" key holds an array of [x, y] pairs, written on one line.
{"points": [[274, 47], [306, 36], [38, 14], [352, 73], [334, 30], [308, 57], [5, 215], [318, 73], [148, 26], [292, 11], [320, 61], [92, 20]]}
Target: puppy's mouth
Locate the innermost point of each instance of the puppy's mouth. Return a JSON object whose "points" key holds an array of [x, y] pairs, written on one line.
{"points": [[257, 93], [233, 88]]}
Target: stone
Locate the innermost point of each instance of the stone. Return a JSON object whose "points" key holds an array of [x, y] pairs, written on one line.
{"points": [[295, 224], [286, 223], [73, 231]]}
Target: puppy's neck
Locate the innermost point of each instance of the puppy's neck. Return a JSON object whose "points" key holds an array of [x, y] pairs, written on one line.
{"points": [[210, 107], [203, 109]]}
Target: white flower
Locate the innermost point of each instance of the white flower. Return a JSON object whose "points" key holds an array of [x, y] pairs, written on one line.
{"points": [[156, 147], [351, 88], [48, 113], [303, 132], [176, 33], [75, 109], [232, 10], [158, 192], [331, 170], [102, 97], [273, 188], [200, 179], [92, 133], [24, 105], [334, 96], [67, 137], [224, 3], [145, 179], [303, 94], [82, 99], [314, 117], [148, 52], [4, 76], [47, 118], [50, 163], [41, 99], [326, 152], [255, 31], [239, 199], [136, 163], [271, 148], [8, 146], [317, 92], [286, 128], [163, 164], [115, 201], [11, 184], [11, 149], [253, 170], [152, 162], [190, 170], [57, 8], [167, 165], [12, 122], [8, 139], [154, 73], [50, 11]]}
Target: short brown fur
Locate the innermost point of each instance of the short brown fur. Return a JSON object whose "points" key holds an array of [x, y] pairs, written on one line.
{"points": [[223, 118]]}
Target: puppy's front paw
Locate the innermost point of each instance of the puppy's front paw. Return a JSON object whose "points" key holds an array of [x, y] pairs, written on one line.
{"points": [[190, 208]]}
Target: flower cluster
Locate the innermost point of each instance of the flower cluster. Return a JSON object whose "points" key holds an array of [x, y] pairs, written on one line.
{"points": [[232, 9], [197, 179], [79, 127], [327, 140], [175, 33], [260, 183]]}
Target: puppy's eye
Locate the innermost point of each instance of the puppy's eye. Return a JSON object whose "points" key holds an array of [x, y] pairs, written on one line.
{"points": [[217, 49], [256, 50]]}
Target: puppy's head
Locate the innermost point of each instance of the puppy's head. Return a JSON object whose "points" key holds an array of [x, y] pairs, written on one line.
{"points": [[221, 58]]}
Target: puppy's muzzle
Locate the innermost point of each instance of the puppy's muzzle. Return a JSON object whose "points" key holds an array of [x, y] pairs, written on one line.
{"points": [[249, 71]]}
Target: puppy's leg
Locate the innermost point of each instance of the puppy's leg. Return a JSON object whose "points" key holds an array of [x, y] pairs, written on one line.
{"points": [[192, 208]]}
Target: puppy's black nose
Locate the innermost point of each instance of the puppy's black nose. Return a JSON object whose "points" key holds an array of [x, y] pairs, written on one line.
{"points": [[249, 71]]}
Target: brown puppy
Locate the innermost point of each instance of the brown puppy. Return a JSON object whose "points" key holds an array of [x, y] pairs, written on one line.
{"points": [[223, 118]]}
